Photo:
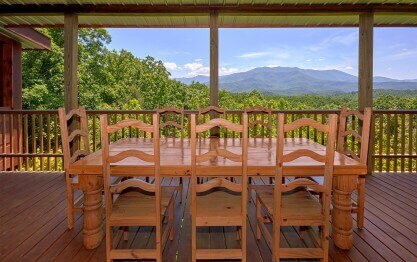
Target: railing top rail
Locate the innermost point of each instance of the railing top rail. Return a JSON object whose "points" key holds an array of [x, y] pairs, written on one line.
{"points": [[304, 111]]}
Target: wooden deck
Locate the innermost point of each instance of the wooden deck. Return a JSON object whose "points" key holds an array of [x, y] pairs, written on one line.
{"points": [[33, 224]]}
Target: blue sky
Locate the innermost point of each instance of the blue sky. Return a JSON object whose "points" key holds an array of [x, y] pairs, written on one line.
{"points": [[185, 52]]}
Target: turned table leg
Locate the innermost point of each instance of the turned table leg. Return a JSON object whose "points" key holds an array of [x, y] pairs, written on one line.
{"points": [[93, 213], [342, 226]]}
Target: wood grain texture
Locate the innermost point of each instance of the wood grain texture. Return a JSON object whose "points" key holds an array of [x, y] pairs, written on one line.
{"points": [[389, 232], [176, 158]]}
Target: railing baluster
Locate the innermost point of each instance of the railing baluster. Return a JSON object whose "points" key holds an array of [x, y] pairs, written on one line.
{"points": [[395, 148], [4, 143], [388, 143], [402, 142], [41, 140], [410, 142], [19, 140], [33, 140], [56, 142], [11, 139], [26, 145], [48, 139]]}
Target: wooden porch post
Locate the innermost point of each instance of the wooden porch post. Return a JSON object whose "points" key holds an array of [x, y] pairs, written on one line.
{"points": [[71, 61], [365, 92], [366, 46], [214, 65]]}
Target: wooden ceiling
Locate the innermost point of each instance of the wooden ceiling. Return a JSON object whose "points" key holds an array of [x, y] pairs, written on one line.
{"points": [[195, 13]]}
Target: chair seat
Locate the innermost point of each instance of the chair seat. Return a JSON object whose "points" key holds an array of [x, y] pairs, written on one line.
{"points": [[138, 208], [299, 207], [219, 208]]}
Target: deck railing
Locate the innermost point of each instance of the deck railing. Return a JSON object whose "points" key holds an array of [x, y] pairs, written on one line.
{"points": [[30, 139]]}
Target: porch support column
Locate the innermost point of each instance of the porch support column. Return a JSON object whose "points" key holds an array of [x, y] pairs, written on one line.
{"points": [[366, 46], [71, 61], [214, 66], [214, 58], [365, 92]]}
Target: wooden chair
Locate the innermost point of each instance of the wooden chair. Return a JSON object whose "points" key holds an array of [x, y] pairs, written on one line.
{"points": [[218, 202], [75, 145], [210, 112], [362, 147], [291, 204], [260, 121], [138, 203], [259, 125], [172, 118]]}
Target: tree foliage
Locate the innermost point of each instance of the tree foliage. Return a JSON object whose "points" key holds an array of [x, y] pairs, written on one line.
{"points": [[109, 79]]}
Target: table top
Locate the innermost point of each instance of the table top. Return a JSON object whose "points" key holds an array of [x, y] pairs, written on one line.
{"points": [[176, 158]]}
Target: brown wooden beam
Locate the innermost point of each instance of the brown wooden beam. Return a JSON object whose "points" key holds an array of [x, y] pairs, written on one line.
{"points": [[214, 59], [133, 8], [245, 25], [71, 61], [366, 46], [214, 64], [32, 35], [365, 92]]}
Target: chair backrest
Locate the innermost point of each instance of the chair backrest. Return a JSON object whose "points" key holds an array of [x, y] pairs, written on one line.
{"points": [[327, 160], [75, 142], [138, 155], [260, 121], [218, 151], [359, 139], [171, 118], [210, 112]]}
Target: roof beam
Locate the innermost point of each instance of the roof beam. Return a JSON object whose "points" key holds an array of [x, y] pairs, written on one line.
{"points": [[33, 36], [245, 25], [45, 9]]}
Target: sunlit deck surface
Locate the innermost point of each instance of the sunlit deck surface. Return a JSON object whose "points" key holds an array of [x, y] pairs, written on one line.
{"points": [[33, 224]]}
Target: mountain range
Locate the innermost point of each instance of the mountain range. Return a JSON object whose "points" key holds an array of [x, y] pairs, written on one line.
{"points": [[297, 81]]}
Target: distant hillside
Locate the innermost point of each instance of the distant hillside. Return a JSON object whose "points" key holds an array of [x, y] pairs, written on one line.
{"points": [[297, 81]]}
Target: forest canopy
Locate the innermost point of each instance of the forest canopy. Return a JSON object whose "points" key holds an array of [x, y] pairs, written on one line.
{"points": [[110, 79]]}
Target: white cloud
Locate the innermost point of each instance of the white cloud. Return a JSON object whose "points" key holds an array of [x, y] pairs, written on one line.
{"points": [[171, 66], [320, 59], [198, 60], [254, 55], [193, 66], [227, 71], [272, 65], [205, 71], [349, 68], [308, 60]]}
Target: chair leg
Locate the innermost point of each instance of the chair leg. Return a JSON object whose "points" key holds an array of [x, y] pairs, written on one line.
{"points": [[271, 180], [70, 206], [193, 243], [180, 189], [259, 218], [171, 219], [325, 242], [361, 202], [276, 242], [243, 240], [108, 243], [125, 233], [303, 232]]}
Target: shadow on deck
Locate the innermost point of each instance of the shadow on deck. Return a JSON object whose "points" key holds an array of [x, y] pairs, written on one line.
{"points": [[33, 224]]}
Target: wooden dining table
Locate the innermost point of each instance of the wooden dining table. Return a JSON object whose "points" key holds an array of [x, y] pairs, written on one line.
{"points": [[175, 156]]}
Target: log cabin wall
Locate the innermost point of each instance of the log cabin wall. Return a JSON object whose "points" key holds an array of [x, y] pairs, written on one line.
{"points": [[10, 93]]}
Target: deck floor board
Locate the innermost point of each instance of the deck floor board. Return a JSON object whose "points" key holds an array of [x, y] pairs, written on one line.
{"points": [[33, 224]]}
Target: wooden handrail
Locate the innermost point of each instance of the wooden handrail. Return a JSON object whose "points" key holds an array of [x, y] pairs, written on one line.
{"points": [[34, 142]]}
